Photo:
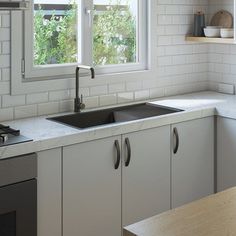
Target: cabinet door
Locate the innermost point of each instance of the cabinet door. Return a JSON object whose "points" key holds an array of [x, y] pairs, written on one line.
{"points": [[146, 180], [92, 189], [49, 192], [193, 164], [226, 153]]}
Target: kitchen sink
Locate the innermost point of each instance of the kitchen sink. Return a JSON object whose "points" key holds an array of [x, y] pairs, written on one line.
{"points": [[113, 115]]}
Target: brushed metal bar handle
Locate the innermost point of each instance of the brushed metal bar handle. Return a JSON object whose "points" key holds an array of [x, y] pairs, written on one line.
{"points": [[176, 148], [117, 146], [127, 143]]}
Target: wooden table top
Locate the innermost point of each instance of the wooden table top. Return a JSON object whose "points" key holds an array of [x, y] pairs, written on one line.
{"points": [[211, 216]]}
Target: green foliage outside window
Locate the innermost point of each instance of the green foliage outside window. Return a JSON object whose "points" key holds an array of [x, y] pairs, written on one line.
{"points": [[55, 38], [114, 36]]}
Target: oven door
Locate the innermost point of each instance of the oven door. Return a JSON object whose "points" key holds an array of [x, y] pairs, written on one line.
{"points": [[18, 209]]}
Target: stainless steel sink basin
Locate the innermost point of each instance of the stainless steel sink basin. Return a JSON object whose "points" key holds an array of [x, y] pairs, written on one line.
{"points": [[113, 115]]}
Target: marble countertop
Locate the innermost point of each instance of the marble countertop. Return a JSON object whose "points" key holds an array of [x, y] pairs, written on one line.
{"points": [[48, 134]]}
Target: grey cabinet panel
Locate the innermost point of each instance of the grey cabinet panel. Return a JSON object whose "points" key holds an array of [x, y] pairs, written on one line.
{"points": [[49, 192], [226, 153], [146, 181], [193, 164], [91, 189]]}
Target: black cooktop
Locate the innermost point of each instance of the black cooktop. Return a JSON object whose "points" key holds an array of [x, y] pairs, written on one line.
{"points": [[10, 136]]}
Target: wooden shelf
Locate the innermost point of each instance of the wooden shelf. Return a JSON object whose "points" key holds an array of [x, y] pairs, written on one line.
{"points": [[210, 40]]}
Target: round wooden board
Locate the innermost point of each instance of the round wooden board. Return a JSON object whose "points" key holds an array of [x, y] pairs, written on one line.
{"points": [[223, 19]]}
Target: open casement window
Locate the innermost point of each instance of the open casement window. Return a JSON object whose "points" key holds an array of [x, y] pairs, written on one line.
{"points": [[108, 34]]}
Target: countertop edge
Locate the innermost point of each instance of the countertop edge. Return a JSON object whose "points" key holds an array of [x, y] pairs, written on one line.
{"points": [[104, 132]]}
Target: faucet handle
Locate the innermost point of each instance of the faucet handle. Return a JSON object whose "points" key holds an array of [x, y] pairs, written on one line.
{"points": [[82, 105]]}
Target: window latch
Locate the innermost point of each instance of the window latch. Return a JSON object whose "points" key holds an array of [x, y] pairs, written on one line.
{"points": [[89, 12]]}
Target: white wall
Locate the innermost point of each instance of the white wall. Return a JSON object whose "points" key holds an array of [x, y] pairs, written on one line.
{"points": [[182, 67], [221, 58]]}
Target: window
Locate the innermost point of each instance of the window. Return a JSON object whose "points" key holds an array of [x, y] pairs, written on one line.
{"points": [[109, 34]]}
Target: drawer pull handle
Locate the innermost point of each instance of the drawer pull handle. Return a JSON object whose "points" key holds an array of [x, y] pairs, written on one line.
{"points": [[127, 142], [176, 134], [117, 163]]}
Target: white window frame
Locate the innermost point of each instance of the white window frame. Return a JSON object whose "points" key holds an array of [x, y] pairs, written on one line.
{"points": [[55, 70], [42, 80]]}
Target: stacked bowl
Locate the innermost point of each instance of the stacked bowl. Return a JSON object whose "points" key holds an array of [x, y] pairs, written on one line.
{"points": [[217, 32]]}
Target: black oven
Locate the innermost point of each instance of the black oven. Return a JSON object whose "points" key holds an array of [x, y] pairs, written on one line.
{"points": [[18, 196]]}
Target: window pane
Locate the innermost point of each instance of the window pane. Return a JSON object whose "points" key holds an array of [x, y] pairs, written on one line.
{"points": [[55, 32], [114, 32]]}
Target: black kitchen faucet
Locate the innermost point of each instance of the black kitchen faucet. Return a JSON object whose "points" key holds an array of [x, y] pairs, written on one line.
{"points": [[78, 102]]}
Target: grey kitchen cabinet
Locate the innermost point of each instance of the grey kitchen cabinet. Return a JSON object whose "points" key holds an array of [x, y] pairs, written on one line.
{"points": [[192, 160], [226, 153], [100, 198], [92, 188], [94, 191], [146, 178], [49, 192]]}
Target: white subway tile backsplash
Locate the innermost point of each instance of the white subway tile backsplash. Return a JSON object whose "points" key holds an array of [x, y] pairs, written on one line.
{"points": [[172, 10], [107, 100], [11, 101], [116, 88], [6, 114], [6, 47], [4, 60], [164, 40], [134, 85], [4, 34], [149, 84], [216, 77], [25, 111], [164, 61], [178, 60], [178, 39], [222, 68], [229, 59], [125, 97], [37, 98], [219, 48], [180, 67], [5, 21], [98, 90], [59, 95], [66, 106], [5, 75], [164, 1], [157, 92], [141, 95], [4, 87], [186, 10], [232, 69], [164, 20], [201, 67], [221, 58], [172, 30], [91, 102], [161, 9], [48, 108], [215, 58]]}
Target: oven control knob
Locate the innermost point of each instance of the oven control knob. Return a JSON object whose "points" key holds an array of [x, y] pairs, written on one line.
{"points": [[3, 138]]}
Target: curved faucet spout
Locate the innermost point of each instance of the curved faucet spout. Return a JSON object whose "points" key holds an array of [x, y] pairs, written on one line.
{"points": [[78, 103]]}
